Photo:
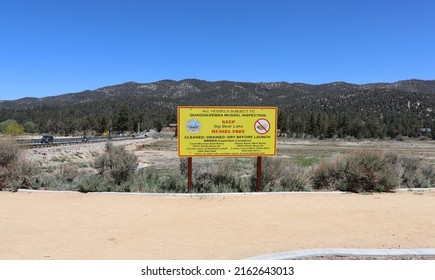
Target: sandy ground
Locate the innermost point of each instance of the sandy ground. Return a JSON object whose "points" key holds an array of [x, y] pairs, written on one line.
{"points": [[83, 156], [35, 225]]}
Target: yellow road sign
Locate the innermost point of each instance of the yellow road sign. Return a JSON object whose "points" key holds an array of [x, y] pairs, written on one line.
{"points": [[226, 131]]}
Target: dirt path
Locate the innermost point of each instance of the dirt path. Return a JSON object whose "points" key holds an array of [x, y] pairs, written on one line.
{"points": [[115, 226]]}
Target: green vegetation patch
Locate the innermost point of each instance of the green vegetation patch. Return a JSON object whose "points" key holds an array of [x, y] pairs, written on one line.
{"points": [[306, 161], [116, 171], [159, 145]]}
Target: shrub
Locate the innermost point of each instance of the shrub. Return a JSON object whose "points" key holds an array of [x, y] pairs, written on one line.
{"points": [[93, 183], [21, 174], [280, 175], [9, 152], [359, 172], [220, 177], [153, 180], [414, 172], [68, 173], [61, 178], [183, 166], [117, 163], [11, 128], [25, 175], [217, 177], [211, 177], [328, 172], [14, 172], [51, 182]]}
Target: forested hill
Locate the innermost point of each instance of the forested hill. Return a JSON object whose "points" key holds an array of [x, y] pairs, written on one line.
{"points": [[326, 110]]}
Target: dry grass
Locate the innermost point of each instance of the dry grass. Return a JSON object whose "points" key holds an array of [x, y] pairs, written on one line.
{"points": [[296, 159]]}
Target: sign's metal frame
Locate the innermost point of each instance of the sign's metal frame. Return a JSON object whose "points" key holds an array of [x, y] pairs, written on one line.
{"points": [[252, 133], [265, 123]]}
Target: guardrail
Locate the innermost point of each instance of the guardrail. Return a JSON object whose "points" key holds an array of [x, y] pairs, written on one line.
{"points": [[36, 143]]}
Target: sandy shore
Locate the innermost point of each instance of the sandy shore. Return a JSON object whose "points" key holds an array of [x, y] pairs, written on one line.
{"points": [[37, 225]]}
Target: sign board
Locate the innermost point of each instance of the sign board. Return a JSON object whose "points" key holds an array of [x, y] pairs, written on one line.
{"points": [[226, 131]]}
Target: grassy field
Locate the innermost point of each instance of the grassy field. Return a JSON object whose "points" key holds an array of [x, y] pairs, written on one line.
{"points": [[295, 168], [305, 153]]}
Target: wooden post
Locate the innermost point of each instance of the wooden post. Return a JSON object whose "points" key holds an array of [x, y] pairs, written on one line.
{"points": [[258, 174], [189, 174]]}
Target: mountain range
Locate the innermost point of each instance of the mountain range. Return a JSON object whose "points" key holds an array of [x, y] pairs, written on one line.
{"points": [[199, 92], [147, 103]]}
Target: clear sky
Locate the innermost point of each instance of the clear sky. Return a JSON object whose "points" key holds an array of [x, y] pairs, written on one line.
{"points": [[51, 47]]}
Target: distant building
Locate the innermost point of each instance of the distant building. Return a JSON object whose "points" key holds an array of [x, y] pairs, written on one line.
{"points": [[173, 126], [425, 130]]}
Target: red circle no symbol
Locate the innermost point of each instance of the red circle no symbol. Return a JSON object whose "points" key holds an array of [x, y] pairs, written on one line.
{"points": [[262, 126]]}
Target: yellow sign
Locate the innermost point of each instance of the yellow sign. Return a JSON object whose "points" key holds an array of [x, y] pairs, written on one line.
{"points": [[226, 131]]}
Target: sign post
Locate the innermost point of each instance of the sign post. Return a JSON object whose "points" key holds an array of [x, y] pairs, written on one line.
{"points": [[217, 131], [189, 174], [258, 174]]}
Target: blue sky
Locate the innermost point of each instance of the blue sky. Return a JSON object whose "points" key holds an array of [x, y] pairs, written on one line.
{"points": [[51, 47]]}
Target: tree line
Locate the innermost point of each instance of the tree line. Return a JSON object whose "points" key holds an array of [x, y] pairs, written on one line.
{"points": [[90, 118], [322, 125], [301, 124]]}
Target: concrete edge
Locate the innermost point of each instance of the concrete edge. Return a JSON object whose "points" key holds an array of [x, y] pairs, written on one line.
{"points": [[329, 252], [217, 194], [414, 189], [182, 194]]}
